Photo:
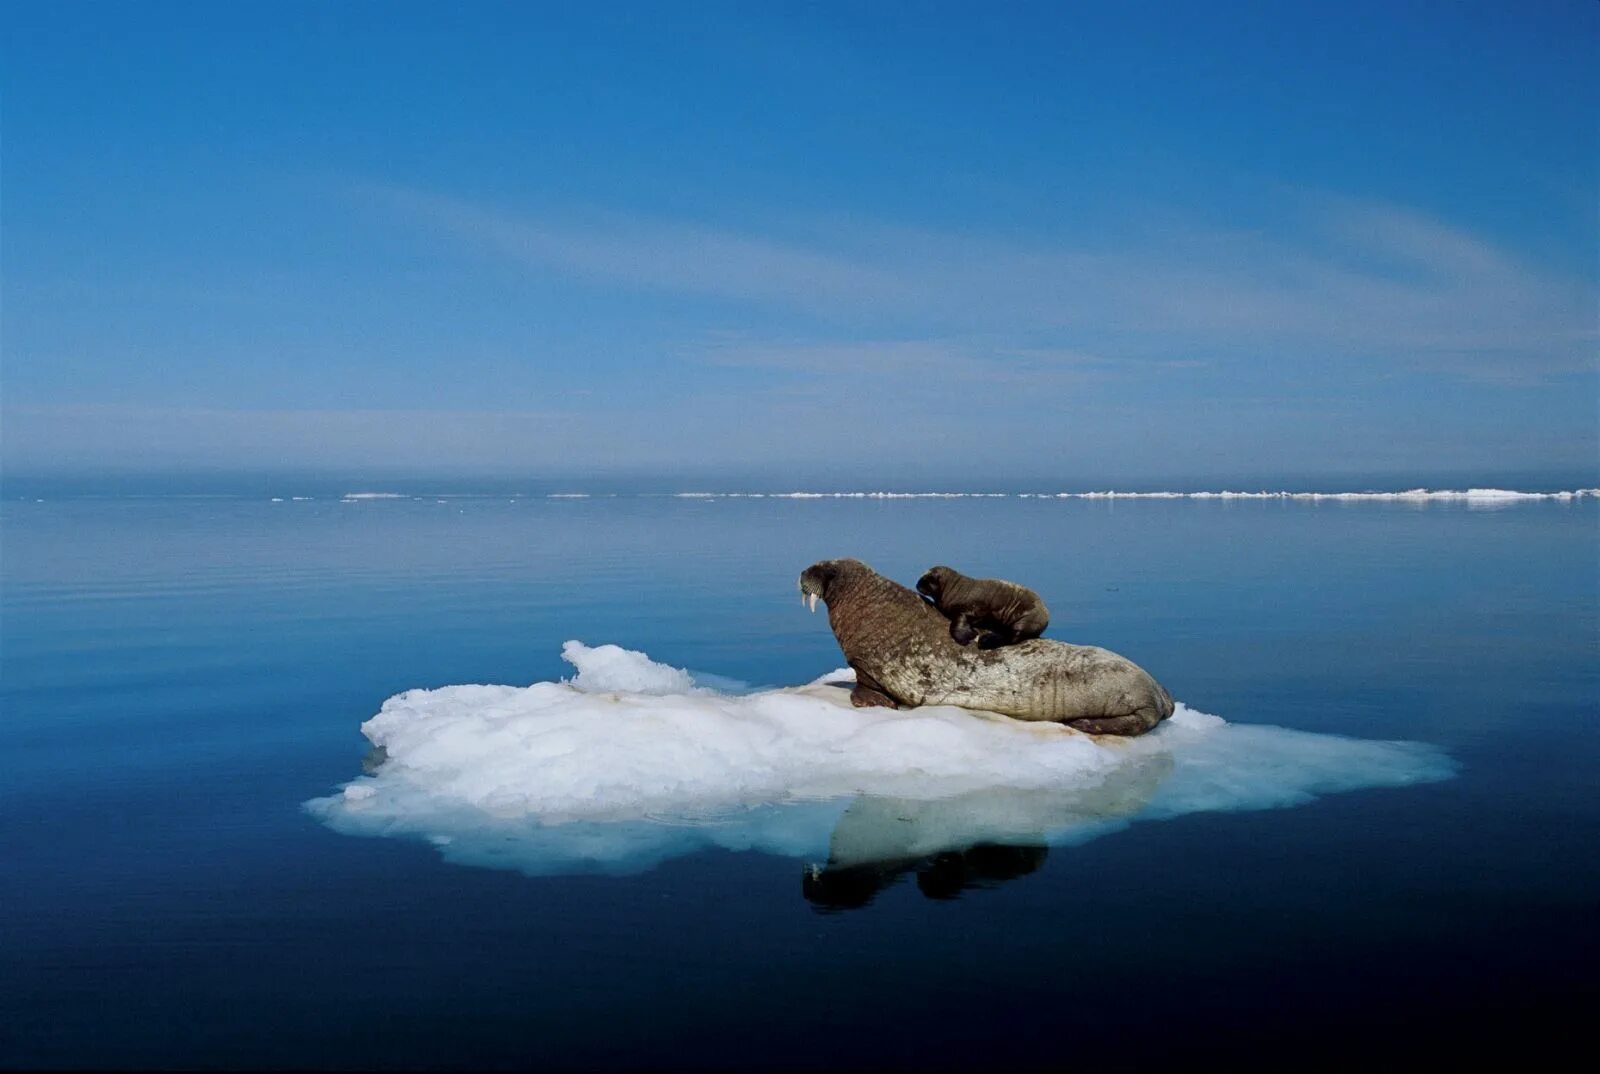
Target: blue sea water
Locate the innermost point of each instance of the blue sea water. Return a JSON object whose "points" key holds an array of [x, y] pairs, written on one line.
{"points": [[181, 675]]}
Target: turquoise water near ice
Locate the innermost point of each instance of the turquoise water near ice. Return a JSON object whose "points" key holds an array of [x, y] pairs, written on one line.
{"points": [[181, 675]]}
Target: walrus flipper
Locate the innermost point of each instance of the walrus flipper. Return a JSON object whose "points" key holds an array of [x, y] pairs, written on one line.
{"points": [[962, 632], [991, 634], [1136, 724], [869, 694], [996, 639]]}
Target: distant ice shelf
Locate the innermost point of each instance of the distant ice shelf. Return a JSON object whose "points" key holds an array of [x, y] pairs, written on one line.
{"points": [[1470, 496], [1420, 494]]}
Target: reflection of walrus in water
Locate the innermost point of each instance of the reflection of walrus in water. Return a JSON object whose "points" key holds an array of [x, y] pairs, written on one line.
{"points": [[971, 841], [993, 611], [943, 876], [902, 653]]}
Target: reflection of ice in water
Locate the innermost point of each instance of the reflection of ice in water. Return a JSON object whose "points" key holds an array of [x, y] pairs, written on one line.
{"points": [[631, 763]]}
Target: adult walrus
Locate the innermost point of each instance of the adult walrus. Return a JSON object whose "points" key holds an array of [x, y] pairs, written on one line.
{"points": [[902, 653], [992, 611]]}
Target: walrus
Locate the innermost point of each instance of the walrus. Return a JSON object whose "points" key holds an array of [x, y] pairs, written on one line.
{"points": [[903, 655], [993, 611]]}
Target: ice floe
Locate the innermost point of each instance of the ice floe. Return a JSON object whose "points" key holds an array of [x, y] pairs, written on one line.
{"points": [[631, 762]]}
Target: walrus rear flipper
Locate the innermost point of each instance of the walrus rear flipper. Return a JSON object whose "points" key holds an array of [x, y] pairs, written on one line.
{"points": [[1136, 724]]}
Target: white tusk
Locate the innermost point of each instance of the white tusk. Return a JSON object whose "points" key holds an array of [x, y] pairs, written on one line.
{"points": [[813, 603]]}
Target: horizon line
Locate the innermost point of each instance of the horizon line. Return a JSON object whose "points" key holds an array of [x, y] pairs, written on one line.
{"points": [[1472, 495]]}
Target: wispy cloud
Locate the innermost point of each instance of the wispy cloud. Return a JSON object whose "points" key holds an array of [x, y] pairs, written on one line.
{"points": [[1342, 281], [667, 256], [939, 361]]}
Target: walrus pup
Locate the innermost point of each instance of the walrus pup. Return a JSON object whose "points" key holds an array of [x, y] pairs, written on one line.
{"points": [[902, 653], [992, 610]]}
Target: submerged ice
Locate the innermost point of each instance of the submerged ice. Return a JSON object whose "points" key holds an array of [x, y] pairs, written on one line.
{"points": [[631, 762]]}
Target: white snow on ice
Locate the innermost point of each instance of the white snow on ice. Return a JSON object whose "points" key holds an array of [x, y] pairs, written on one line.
{"points": [[631, 762]]}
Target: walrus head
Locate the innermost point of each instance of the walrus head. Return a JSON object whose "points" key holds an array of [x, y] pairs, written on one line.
{"points": [[817, 579], [933, 584]]}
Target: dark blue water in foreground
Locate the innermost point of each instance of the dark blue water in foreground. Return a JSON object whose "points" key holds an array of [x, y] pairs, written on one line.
{"points": [[181, 675]]}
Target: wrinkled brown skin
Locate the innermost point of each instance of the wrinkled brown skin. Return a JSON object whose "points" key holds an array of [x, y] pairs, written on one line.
{"points": [[903, 655], [991, 611]]}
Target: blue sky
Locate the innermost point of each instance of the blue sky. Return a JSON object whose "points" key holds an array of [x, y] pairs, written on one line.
{"points": [[857, 242]]}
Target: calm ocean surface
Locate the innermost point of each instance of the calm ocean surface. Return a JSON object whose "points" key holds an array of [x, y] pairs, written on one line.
{"points": [[181, 675]]}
